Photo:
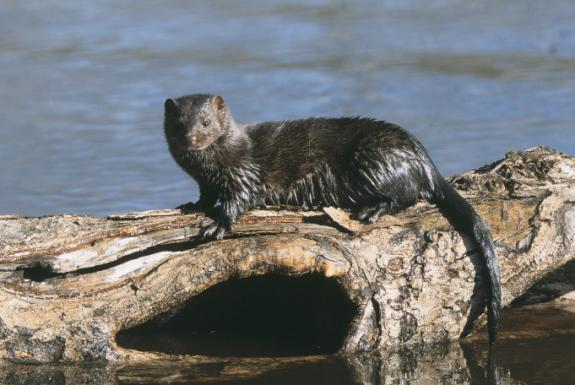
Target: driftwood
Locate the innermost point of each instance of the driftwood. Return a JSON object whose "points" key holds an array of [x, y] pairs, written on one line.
{"points": [[71, 283]]}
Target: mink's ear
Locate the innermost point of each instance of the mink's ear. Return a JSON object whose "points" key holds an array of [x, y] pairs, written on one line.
{"points": [[171, 106], [218, 103]]}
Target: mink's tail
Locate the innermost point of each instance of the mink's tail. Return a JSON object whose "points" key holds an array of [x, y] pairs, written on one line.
{"points": [[465, 219]]}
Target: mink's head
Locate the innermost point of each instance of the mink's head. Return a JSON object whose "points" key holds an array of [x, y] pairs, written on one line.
{"points": [[194, 122]]}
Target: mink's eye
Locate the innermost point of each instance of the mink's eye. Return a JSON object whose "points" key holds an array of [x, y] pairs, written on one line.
{"points": [[206, 122]]}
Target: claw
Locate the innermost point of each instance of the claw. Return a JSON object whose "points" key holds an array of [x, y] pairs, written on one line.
{"points": [[215, 230], [207, 231], [220, 231]]}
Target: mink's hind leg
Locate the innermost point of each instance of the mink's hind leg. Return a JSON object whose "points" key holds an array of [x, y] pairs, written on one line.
{"points": [[371, 213]]}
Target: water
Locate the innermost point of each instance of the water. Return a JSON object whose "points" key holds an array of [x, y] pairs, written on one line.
{"points": [[83, 85], [512, 364]]}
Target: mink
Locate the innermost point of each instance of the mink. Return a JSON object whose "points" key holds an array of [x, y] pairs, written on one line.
{"points": [[370, 167]]}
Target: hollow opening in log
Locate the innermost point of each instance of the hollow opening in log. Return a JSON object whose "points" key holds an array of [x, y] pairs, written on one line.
{"points": [[263, 316]]}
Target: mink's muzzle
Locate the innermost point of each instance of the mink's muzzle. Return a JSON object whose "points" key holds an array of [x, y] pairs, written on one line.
{"points": [[195, 141]]}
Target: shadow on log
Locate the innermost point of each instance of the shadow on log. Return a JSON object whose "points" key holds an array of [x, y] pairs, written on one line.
{"points": [[70, 283]]}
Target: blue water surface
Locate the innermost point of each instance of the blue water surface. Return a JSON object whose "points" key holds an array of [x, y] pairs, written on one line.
{"points": [[83, 84]]}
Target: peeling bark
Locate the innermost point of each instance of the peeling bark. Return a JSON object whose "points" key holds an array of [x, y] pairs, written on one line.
{"points": [[70, 283]]}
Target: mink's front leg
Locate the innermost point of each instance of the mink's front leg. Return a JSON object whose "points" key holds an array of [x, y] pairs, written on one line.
{"points": [[227, 215]]}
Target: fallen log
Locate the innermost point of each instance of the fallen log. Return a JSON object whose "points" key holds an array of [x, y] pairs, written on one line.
{"points": [[69, 283]]}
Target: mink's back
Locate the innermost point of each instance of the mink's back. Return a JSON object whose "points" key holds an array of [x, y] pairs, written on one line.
{"points": [[304, 144], [320, 161]]}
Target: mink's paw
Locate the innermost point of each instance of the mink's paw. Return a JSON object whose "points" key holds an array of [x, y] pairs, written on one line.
{"points": [[214, 230], [188, 208], [370, 214], [197, 207]]}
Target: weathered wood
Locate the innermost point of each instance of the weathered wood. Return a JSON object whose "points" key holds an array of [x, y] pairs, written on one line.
{"points": [[411, 276]]}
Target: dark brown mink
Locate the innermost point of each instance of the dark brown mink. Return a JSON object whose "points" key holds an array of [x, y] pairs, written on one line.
{"points": [[367, 166]]}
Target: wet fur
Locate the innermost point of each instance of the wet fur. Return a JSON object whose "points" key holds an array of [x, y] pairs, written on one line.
{"points": [[367, 166]]}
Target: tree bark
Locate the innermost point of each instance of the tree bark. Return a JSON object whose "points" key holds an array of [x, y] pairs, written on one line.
{"points": [[70, 283]]}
